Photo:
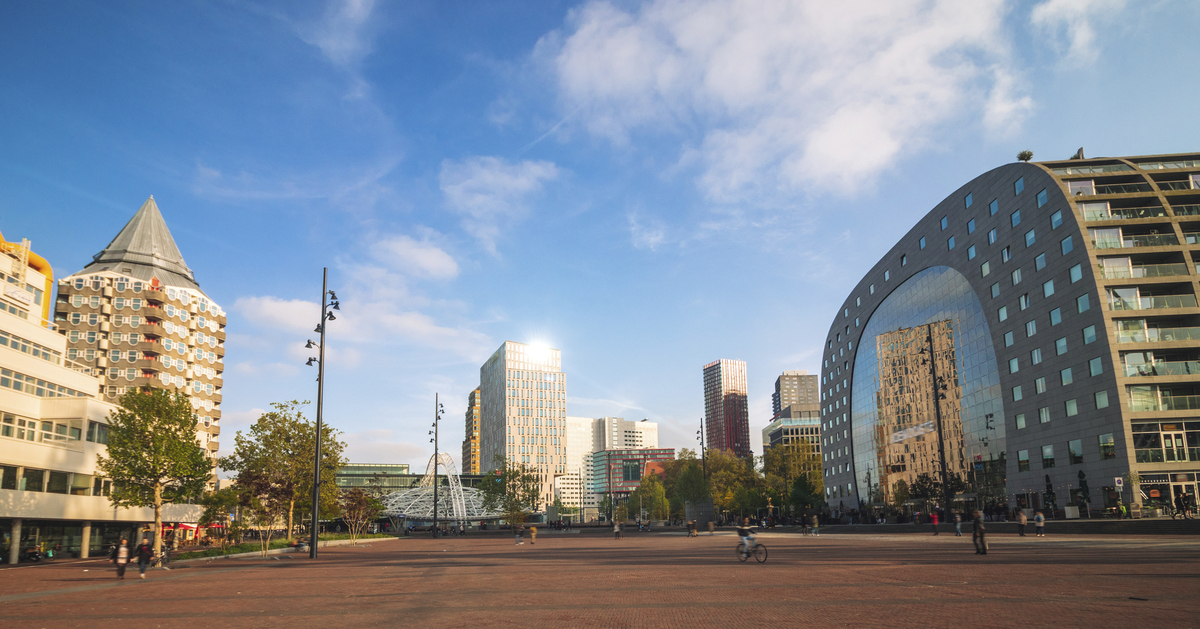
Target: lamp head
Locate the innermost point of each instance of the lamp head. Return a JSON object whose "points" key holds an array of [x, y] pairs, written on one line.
{"points": [[311, 361], [310, 344], [335, 306], [318, 328], [331, 317], [333, 295]]}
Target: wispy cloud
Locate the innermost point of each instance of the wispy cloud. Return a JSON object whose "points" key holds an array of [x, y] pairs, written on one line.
{"points": [[491, 193], [343, 35], [772, 99], [414, 257], [1074, 19], [646, 233]]}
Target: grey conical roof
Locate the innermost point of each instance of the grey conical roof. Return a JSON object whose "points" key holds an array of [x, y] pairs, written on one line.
{"points": [[144, 249]]}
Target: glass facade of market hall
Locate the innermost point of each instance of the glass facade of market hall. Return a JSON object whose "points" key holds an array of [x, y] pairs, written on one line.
{"points": [[934, 314]]}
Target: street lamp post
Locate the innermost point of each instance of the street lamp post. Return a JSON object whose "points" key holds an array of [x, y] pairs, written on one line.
{"points": [[437, 416], [329, 303], [703, 452]]}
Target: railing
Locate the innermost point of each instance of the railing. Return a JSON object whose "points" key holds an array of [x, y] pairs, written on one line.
{"points": [[1175, 185], [1146, 270], [1153, 303], [1166, 403], [1122, 188], [1186, 210], [1141, 240], [1158, 335], [1165, 368], [1186, 163], [1088, 170], [1124, 213]]}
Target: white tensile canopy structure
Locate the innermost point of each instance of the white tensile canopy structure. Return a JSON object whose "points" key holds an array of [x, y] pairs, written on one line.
{"points": [[454, 502]]}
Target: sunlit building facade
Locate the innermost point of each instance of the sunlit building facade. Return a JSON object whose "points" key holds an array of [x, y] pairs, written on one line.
{"points": [[1033, 338], [139, 319], [524, 411], [470, 447], [726, 407]]}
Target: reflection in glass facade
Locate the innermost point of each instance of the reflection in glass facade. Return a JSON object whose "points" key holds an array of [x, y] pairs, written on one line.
{"points": [[931, 329]]}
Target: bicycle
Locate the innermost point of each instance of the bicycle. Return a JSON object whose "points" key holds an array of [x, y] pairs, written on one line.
{"points": [[760, 552]]}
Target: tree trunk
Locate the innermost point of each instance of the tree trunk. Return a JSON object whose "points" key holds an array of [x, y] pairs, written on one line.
{"points": [[291, 515], [158, 520]]}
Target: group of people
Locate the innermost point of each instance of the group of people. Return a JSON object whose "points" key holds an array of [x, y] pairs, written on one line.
{"points": [[121, 555]]}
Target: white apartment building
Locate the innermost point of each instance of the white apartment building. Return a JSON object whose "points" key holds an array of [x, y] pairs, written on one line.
{"points": [[138, 317], [524, 411], [587, 435], [53, 424]]}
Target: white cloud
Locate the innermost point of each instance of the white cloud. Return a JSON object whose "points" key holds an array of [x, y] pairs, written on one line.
{"points": [[339, 34], [646, 235], [292, 315], [491, 192], [772, 98], [1075, 18], [412, 257], [382, 446]]}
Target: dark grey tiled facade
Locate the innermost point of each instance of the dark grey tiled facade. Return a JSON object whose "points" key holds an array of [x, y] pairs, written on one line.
{"points": [[1155, 203]]}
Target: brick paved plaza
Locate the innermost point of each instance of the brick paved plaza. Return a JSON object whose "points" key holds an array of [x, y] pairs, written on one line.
{"points": [[655, 580]]}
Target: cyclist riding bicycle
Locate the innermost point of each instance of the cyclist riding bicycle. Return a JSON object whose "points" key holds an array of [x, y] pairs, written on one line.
{"points": [[743, 532]]}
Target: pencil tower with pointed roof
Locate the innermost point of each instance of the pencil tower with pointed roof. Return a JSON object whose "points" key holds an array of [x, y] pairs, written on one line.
{"points": [[136, 317]]}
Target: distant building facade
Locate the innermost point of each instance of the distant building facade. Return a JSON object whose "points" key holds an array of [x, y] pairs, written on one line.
{"points": [[796, 388], [617, 473], [726, 407], [471, 461]]}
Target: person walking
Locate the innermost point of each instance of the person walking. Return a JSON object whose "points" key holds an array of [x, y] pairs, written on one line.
{"points": [[532, 535], [1022, 520], [616, 530], [144, 554], [815, 524], [517, 535], [710, 527], [957, 524], [978, 535], [120, 557], [1039, 523], [933, 521]]}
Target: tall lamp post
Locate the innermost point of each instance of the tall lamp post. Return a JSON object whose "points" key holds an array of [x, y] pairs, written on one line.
{"points": [[703, 452], [437, 417], [329, 303]]}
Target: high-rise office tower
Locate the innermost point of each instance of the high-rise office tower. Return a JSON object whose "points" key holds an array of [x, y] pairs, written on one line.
{"points": [[470, 446], [795, 387], [726, 411], [617, 433], [524, 411], [137, 316]]}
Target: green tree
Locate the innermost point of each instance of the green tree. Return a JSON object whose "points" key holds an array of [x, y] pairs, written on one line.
{"points": [[359, 510], [606, 506], [728, 477], [925, 488], [804, 494], [153, 457], [1025, 156], [512, 489], [900, 493], [274, 461], [651, 497], [221, 507], [684, 481]]}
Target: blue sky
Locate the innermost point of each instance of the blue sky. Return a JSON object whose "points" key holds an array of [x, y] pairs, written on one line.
{"points": [[647, 187]]}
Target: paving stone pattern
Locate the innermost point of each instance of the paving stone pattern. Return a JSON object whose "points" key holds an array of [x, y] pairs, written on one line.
{"points": [[656, 580]]}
